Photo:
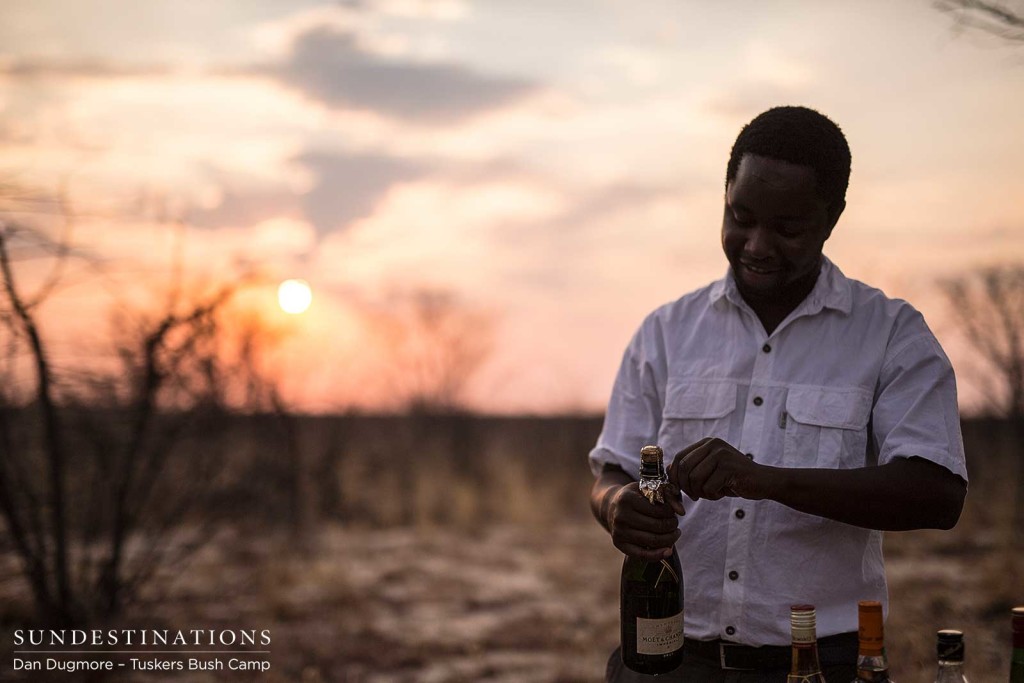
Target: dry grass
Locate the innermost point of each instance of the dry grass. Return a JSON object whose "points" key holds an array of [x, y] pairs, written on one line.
{"points": [[484, 566]]}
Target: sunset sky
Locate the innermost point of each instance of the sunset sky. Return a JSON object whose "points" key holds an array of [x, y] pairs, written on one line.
{"points": [[557, 167]]}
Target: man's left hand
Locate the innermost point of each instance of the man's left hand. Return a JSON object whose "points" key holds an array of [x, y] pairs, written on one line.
{"points": [[713, 469]]}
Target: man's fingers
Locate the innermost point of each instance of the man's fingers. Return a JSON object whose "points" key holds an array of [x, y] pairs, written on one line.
{"points": [[674, 499], [717, 484], [691, 459], [649, 554], [710, 471], [704, 478], [645, 539], [664, 523], [638, 504], [674, 467]]}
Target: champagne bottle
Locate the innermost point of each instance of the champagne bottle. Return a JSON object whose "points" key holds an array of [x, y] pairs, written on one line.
{"points": [[950, 649], [1017, 661], [872, 664], [651, 592], [805, 667]]}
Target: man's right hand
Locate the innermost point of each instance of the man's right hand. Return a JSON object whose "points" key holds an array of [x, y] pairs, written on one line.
{"points": [[640, 528]]}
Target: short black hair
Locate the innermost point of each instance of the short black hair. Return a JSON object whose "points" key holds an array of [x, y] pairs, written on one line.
{"points": [[798, 135]]}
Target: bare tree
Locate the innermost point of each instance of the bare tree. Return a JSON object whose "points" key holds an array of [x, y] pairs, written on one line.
{"points": [[437, 345], [99, 477], [1002, 19], [988, 305], [433, 345]]}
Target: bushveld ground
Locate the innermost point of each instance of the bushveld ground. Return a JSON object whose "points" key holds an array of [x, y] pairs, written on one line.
{"points": [[461, 549]]}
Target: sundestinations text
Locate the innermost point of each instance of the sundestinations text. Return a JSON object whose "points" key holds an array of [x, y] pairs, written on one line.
{"points": [[100, 637]]}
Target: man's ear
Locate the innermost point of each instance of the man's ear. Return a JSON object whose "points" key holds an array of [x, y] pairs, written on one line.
{"points": [[834, 212]]}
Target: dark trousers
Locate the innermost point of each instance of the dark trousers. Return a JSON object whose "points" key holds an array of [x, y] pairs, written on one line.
{"points": [[838, 659]]}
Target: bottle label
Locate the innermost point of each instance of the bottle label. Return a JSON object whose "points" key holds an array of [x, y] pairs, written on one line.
{"points": [[804, 636], [659, 636]]}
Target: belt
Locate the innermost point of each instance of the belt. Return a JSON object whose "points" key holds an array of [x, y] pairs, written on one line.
{"points": [[735, 657]]}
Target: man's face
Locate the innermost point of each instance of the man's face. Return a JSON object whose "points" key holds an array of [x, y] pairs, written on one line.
{"points": [[774, 226]]}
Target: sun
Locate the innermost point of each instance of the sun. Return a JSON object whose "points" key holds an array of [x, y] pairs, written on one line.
{"points": [[294, 296]]}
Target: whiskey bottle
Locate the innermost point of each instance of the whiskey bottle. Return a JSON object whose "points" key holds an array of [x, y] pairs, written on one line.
{"points": [[805, 667], [872, 664], [950, 650], [651, 592], [1017, 660]]}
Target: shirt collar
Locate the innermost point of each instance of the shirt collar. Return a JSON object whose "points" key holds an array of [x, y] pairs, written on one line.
{"points": [[831, 290]]}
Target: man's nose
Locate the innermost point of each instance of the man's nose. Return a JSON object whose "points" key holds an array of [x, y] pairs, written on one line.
{"points": [[759, 243]]}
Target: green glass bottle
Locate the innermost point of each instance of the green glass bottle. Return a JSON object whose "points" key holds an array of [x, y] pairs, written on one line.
{"points": [[949, 647], [651, 592], [1017, 660]]}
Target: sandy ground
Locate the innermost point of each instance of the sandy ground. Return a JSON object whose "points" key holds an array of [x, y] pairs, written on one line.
{"points": [[509, 603]]}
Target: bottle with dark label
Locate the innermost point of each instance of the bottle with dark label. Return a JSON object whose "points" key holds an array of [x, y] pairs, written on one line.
{"points": [[1017, 660], [949, 647], [872, 664], [805, 667], [651, 607]]}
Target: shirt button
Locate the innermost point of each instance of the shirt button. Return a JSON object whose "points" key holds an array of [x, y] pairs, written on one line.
{"points": [[758, 400], [740, 514], [730, 631], [750, 456], [767, 348], [733, 575]]}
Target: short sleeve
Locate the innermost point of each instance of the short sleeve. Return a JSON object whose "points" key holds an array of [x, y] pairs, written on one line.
{"points": [[634, 410], [915, 411]]}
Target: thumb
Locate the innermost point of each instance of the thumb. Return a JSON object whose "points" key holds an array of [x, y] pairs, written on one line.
{"points": [[674, 498]]}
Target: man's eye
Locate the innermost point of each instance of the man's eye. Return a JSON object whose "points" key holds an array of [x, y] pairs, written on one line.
{"points": [[742, 220]]}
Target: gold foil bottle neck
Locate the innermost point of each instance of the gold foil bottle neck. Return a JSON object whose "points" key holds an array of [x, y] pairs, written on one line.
{"points": [[651, 454], [652, 473]]}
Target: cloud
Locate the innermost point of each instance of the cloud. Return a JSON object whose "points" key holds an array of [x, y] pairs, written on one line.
{"points": [[328, 65], [82, 68], [348, 187], [246, 208]]}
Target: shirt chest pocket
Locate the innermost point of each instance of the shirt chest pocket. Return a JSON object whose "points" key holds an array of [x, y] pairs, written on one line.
{"points": [[695, 410], [826, 427]]}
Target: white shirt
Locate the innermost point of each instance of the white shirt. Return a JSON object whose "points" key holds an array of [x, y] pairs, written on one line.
{"points": [[846, 360]]}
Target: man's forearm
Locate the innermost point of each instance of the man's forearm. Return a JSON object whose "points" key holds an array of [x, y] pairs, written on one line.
{"points": [[607, 483], [905, 494]]}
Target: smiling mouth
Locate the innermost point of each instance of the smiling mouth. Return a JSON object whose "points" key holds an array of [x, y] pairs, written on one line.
{"points": [[760, 271]]}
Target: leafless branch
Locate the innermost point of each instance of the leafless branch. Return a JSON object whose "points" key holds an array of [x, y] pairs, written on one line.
{"points": [[999, 19], [72, 529], [437, 343], [989, 307], [62, 249], [52, 435]]}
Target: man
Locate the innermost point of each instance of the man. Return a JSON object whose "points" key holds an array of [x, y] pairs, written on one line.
{"points": [[807, 413]]}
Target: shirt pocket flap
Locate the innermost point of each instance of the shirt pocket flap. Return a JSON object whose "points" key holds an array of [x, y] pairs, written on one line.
{"points": [[686, 399], [825, 407]]}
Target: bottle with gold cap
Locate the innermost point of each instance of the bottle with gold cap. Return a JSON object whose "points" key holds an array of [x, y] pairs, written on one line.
{"points": [[872, 663], [805, 667], [651, 607], [950, 649], [1017, 660]]}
